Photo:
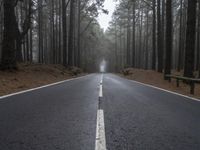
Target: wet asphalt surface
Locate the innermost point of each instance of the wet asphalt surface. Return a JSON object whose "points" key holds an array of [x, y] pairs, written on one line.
{"points": [[63, 117], [60, 117], [138, 117]]}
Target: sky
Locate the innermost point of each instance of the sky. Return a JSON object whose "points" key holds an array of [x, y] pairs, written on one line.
{"points": [[104, 19]]}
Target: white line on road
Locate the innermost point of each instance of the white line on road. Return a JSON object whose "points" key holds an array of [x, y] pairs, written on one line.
{"points": [[100, 131], [101, 87], [101, 82], [37, 88], [188, 97], [100, 90], [100, 126]]}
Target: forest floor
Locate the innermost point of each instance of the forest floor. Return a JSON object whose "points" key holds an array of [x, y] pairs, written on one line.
{"points": [[157, 79], [34, 75]]}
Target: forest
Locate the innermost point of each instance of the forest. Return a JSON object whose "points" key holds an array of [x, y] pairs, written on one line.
{"points": [[50, 32], [160, 35]]}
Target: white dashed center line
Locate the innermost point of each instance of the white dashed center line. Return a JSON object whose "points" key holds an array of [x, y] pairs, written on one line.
{"points": [[100, 131], [100, 91], [100, 127]]}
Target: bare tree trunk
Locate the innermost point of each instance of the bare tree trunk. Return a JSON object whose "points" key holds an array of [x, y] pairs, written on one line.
{"points": [[168, 51], [9, 40], [59, 32], [147, 41], [128, 39], [180, 36], [190, 39], [71, 33], [31, 44], [140, 39], [64, 26], [198, 40], [79, 39], [154, 37], [116, 53], [133, 38], [159, 39]]}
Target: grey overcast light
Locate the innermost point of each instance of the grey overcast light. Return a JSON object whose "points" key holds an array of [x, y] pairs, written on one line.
{"points": [[104, 19]]}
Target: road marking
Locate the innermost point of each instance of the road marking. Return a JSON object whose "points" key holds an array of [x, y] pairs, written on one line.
{"points": [[101, 82], [101, 87], [188, 97], [100, 126], [100, 131], [37, 88], [100, 90]]}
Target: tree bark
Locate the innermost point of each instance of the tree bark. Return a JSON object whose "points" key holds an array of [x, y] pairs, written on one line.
{"points": [[154, 37], [168, 50], [64, 26], [180, 36], [9, 40], [79, 36], [128, 39], [190, 39], [133, 36], [71, 33], [159, 39]]}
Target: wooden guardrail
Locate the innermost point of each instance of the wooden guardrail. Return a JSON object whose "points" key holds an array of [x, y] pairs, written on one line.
{"points": [[190, 81]]}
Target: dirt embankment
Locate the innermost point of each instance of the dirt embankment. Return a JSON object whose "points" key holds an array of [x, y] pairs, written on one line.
{"points": [[34, 75], [157, 79]]}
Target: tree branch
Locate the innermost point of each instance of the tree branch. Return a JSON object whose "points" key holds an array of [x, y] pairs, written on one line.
{"points": [[67, 3], [87, 26]]}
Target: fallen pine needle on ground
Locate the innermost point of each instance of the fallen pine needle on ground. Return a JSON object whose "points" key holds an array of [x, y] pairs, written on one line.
{"points": [[157, 79], [34, 75]]}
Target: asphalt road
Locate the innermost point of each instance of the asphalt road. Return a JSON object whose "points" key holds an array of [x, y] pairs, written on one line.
{"points": [[64, 117]]}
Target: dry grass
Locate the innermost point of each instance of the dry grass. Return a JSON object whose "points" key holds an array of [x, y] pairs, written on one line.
{"points": [[30, 76], [157, 79]]}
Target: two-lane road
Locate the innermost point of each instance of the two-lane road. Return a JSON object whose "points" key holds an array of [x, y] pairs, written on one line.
{"points": [[64, 117]]}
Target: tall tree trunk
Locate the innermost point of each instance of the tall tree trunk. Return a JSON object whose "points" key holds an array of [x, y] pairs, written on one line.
{"points": [[9, 40], [79, 36], [159, 39], [168, 50], [198, 40], [59, 32], [116, 53], [53, 31], [133, 36], [147, 41], [140, 40], [154, 37], [180, 36], [71, 33], [190, 39], [64, 26], [128, 39], [31, 44], [120, 47]]}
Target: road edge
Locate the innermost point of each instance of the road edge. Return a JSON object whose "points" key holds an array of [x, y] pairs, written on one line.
{"points": [[161, 89], [43, 86]]}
